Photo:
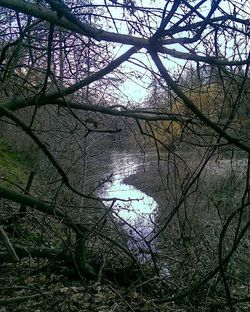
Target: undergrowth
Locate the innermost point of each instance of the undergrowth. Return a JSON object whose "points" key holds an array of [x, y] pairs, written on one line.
{"points": [[15, 166]]}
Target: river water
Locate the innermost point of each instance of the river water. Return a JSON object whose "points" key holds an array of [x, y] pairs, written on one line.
{"points": [[137, 213]]}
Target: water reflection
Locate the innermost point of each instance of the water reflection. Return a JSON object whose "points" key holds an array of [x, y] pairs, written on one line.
{"points": [[139, 211]]}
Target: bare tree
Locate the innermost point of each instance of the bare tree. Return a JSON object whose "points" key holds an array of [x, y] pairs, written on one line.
{"points": [[62, 65]]}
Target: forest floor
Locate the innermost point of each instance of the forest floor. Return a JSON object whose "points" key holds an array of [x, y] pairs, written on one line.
{"points": [[23, 291]]}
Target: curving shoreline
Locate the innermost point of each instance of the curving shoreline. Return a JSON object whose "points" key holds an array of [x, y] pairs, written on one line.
{"points": [[143, 182]]}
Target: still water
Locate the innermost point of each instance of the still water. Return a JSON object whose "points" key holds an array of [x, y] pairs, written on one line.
{"points": [[136, 214]]}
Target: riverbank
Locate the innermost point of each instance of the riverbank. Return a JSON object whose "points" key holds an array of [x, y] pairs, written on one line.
{"points": [[155, 180], [194, 223]]}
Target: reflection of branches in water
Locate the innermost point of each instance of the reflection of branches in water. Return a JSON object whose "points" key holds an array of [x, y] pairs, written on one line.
{"points": [[138, 242]]}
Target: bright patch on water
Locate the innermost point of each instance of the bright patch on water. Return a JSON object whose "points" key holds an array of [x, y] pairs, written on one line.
{"points": [[139, 210]]}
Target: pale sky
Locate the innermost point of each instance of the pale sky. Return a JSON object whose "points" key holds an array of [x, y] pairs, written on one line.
{"points": [[135, 89]]}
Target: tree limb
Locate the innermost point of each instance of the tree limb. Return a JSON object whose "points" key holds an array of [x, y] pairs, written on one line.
{"points": [[8, 245], [190, 104]]}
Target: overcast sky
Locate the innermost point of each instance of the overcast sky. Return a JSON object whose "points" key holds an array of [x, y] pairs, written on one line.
{"points": [[135, 88]]}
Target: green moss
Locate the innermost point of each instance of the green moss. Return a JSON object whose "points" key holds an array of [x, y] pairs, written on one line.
{"points": [[14, 165]]}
